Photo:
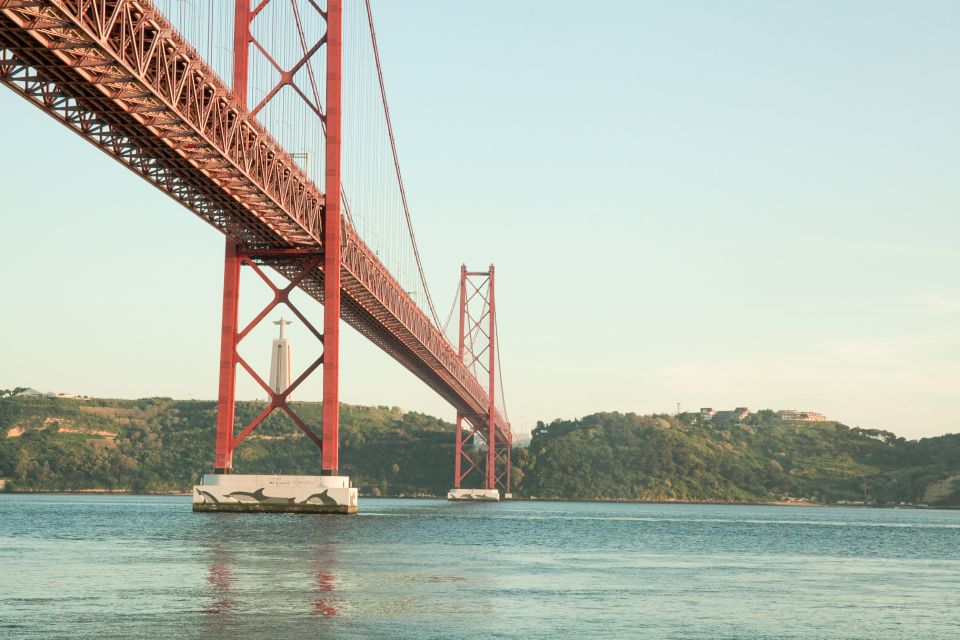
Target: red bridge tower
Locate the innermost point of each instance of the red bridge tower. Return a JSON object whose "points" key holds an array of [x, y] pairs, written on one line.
{"points": [[478, 351], [299, 264]]}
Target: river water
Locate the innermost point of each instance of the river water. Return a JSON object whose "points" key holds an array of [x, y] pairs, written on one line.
{"points": [[147, 567]]}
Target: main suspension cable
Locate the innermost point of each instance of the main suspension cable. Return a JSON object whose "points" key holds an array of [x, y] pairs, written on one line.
{"points": [[396, 164], [503, 395], [453, 305]]}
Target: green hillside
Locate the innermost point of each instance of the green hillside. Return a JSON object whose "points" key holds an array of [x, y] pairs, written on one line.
{"points": [[626, 456], [159, 444]]}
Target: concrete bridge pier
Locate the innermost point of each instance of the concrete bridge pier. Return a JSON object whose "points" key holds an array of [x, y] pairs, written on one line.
{"points": [[474, 495], [274, 494]]}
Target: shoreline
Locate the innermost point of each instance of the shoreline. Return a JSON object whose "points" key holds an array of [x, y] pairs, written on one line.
{"points": [[182, 494]]}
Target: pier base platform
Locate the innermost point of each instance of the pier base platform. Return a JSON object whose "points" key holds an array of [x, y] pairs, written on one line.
{"points": [[274, 494], [477, 495]]}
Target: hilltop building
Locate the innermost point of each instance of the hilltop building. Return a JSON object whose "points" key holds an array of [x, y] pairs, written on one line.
{"points": [[708, 415], [739, 414], [803, 416], [280, 360]]}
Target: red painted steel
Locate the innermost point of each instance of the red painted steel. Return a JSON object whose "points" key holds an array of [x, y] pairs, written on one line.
{"points": [[491, 389], [509, 451], [118, 74], [332, 239], [226, 404], [241, 50], [226, 440], [226, 397], [287, 77], [278, 400], [457, 476], [478, 307]]}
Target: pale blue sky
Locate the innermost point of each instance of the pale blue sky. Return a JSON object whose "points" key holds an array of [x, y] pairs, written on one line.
{"points": [[716, 203]]}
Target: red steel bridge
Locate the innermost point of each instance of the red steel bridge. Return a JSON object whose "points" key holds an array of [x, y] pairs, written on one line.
{"points": [[122, 74]]}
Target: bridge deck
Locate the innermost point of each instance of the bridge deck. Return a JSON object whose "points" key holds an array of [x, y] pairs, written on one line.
{"points": [[118, 74]]}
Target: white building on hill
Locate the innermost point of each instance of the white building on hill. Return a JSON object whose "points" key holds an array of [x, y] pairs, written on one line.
{"points": [[803, 416]]}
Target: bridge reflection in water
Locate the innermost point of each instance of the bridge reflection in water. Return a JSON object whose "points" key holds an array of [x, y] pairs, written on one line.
{"points": [[247, 581]]}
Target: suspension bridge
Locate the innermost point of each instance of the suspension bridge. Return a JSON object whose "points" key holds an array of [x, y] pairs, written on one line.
{"points": [[294, 161]]}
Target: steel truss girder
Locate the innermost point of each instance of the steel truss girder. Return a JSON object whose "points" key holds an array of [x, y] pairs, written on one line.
{"points": [[132, 39]]}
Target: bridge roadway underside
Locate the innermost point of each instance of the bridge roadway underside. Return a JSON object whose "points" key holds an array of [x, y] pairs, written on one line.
{"points": [[50, 59]]}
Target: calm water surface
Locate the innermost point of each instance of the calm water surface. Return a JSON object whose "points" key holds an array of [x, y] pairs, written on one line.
{"points": [[147, 567]]}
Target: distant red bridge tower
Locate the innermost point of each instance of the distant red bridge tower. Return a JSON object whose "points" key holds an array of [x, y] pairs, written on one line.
{"points": [[478, 348]]}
